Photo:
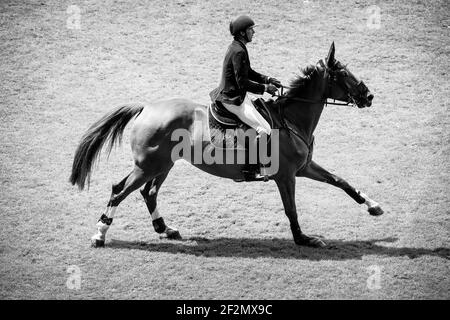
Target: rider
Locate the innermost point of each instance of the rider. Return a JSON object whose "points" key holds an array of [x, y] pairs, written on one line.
{"points": [[238, 78]]}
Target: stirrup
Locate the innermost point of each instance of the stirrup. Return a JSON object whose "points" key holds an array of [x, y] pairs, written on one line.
{"points": [[263, 172], [251, 175]]}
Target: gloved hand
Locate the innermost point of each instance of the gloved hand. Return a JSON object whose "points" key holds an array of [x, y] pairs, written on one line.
{"points": [[275, 82], [270, 88]]}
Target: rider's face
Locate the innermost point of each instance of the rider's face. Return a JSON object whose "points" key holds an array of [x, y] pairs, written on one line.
{"points": [[250, 32]]}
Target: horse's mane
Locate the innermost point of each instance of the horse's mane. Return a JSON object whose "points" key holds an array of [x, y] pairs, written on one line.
{"points": [[298, 84]]}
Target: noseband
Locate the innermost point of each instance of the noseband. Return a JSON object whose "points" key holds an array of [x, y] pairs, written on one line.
{"points": [[361, 88]]}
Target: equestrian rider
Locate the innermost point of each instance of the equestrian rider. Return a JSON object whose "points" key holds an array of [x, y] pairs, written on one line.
{"points": [[238, 78]]}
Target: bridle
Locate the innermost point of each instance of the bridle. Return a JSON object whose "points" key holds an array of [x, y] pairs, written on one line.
{"points": [[331, 79], [360, 88]]}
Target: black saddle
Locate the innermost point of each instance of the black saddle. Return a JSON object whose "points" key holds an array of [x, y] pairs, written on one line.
{"points": [[223, 132], [230, 120]]}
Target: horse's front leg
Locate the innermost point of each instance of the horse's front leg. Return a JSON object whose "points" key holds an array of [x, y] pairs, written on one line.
{"points": [[316, 172], [286, 186]]}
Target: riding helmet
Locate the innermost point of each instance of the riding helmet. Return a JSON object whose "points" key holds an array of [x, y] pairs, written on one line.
{"points": [[241, 23]]}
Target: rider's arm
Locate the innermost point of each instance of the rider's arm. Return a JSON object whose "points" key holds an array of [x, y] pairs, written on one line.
{"points": [[241, 72], [257, 77]]}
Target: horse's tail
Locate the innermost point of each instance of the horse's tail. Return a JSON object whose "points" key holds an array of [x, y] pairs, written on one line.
{"points": [[109, 128]]}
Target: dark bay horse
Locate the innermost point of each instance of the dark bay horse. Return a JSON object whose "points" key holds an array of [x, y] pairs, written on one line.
{"points": [[300, 109]]}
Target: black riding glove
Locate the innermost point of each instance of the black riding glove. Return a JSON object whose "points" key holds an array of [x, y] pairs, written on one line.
{"points": [[275, 82], [270, 88]]}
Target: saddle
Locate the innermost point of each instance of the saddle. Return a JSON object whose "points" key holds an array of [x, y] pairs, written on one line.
{"points": [[225, 128], [229, 119], [222, 122]]}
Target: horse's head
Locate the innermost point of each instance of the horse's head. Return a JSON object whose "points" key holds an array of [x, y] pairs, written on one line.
{"points": [[343, 85]]}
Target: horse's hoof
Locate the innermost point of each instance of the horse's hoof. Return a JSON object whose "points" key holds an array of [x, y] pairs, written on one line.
{"points": [[375, 211], [310, 242], [97, 243], [173, 234]]}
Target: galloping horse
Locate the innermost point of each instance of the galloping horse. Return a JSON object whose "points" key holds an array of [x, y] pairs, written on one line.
{"points": [[299, 110]]}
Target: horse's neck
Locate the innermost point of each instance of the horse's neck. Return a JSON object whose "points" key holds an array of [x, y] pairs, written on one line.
{"points": [[305, 115]]}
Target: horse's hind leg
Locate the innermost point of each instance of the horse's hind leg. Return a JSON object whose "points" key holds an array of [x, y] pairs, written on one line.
{"points": [[119, 192], [316, 172], [150, 194]]}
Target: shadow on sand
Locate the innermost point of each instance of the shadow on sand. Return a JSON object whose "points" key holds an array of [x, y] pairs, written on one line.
{"points": [[278, 248]]}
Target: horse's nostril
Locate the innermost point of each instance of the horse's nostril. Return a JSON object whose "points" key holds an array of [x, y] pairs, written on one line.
{"points": [[370, 97]]}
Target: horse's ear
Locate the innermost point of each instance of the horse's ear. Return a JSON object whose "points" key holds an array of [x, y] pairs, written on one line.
{"points": [[330, 56]]}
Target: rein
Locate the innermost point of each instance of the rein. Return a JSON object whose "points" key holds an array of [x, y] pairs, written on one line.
{"points": [[325, 101], [285, 122]]}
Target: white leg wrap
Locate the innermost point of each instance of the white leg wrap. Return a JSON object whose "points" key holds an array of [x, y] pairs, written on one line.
{"points": [[101, 231], [155, 214], [102, 227], [369, 202]]}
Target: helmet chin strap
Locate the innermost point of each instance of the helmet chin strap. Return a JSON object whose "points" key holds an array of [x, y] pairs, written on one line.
{"points": [[245, 37]]}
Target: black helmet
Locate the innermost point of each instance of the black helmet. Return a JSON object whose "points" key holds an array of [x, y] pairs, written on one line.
{"points": [[241, 23]]}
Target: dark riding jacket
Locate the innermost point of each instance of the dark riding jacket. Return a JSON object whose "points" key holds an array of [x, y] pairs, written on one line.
{"points": [[238, 77]]}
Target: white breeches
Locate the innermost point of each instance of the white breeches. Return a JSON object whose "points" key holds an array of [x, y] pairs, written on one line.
{"points": [[249, 115]]}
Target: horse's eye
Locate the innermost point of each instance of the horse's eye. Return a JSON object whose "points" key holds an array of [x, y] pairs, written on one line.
{"points": [[343, 73]]}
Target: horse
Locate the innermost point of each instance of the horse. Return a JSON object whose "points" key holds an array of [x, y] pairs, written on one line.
{"points": [[298, 111]]}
